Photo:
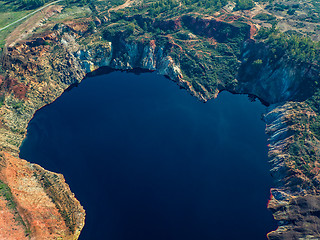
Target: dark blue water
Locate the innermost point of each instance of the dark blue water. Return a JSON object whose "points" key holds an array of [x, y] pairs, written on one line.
{"points": [[150, 162]]}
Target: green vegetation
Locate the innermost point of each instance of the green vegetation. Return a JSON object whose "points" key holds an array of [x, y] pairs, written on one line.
{"points": [[302, 157], [291, 11], [47, 184], [17, 105], [297, 48], [6, 193], [20, 5], [10, 11], [3, 36], [203, 63], [213, 4], [207, 58], [264, 17], [72, 11], [158, 7], [123, 30], [2, 99], [247, 4], [244, 4], [162, 6], [257, 64], [10, 16], [315, 127], [32, 4], [174, 7], [281, 7], [303, 150], [314, 103]]}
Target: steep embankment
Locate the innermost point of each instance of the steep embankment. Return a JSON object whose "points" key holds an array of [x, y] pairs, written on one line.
{"points": [[202, 55], [295, 200], [293, 145], [36, 203], [40, 204]]}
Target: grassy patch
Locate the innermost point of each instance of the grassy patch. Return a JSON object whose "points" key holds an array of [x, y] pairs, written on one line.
{"points": [[297, 48], [9, 6], [9, 17], [9, 13], [6, 193], [72, 12], [4, 34], [264, 17]]}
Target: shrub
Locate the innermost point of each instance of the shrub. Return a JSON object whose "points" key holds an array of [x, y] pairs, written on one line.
{"points": [[244, 4], [30, 4]]}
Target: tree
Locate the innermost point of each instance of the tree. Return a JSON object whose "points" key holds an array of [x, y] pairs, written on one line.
{"points": [[244, 4], [30, 4]]}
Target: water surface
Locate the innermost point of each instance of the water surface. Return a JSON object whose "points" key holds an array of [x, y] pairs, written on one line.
{"points": [[150, 162]]}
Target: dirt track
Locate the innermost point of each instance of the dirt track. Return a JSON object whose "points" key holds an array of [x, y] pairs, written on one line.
{"points": [[125, 5], [26, 28], [30, 14]]}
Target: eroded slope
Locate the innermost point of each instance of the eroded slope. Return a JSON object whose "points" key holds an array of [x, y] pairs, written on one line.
{"points": [[205, 52]]}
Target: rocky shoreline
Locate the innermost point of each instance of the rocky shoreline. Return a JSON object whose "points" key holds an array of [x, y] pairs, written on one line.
{"points": [[40, 69]]}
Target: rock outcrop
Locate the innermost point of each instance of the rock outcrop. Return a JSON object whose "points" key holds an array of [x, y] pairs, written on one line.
{"points": [[295, 199], [36, 203], [274, 82], [44, 66]]}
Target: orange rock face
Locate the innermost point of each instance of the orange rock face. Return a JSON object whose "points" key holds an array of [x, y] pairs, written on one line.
{"points": [[8, 223], [36, 208]]}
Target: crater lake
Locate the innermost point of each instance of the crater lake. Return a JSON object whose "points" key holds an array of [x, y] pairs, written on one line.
{"points": [[150, 162]]}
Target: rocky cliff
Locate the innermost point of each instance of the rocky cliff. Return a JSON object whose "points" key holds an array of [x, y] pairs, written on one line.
{"points": [[36, 204], [294, 200], [204, 55]]}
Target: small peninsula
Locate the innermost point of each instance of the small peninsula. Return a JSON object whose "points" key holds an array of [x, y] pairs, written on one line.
{"points": [[268, 50]]}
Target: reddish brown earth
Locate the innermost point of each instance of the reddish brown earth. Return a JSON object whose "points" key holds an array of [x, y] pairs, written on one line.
{"points": [[12, 85], [36, 193], [41, 67]]}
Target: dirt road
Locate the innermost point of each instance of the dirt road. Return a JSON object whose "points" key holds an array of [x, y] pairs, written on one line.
{"points": [[126, 4], [19, 20]]}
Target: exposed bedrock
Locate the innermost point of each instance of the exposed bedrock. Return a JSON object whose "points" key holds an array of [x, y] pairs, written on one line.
{"points": [[44, 72], [36, 203], [274, 80], [295, 200]]}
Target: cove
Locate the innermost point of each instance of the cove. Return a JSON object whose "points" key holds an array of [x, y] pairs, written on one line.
{"points": [[149, 161]]}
